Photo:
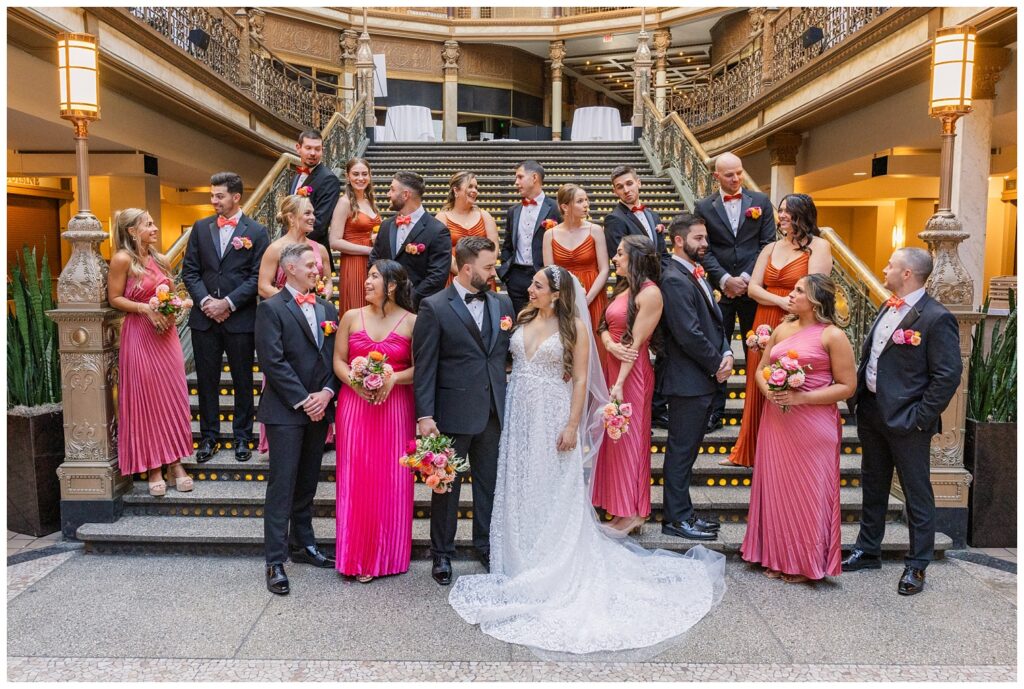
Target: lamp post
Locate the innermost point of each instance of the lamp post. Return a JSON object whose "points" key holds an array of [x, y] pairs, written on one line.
{"points": [[952, 75], [88, 329]]}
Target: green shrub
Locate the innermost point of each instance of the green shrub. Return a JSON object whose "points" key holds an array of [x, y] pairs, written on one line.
{"points": [[33, 360], [992, 386]]}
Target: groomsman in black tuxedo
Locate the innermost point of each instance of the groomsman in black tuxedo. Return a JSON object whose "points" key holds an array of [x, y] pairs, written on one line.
{"points": [[414, 238], [740, 223], [904, 383], [220, 271], [296, 355], [318, 182], [522, 250], [697, 358], [460, 345]]}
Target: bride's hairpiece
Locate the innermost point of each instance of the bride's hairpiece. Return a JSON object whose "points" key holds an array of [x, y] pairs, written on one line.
{"points": [[556, 277]]}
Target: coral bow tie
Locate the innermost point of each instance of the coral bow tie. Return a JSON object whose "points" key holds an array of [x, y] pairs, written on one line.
{"points": [[222, 221], [698, 272], [403, 219], [301, 299], [303, 170], [732, 197], [894, 302], [638, 208], [529, 202]]}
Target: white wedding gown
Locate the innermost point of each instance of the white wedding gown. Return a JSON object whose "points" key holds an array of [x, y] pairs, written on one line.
{"points": [[557, 582]]}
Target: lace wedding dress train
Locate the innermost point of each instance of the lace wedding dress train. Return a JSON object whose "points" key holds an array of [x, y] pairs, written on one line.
{"points": [[557, 582]]}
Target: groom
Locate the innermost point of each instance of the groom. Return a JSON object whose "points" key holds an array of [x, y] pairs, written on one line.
{"points": [[460, 345]]}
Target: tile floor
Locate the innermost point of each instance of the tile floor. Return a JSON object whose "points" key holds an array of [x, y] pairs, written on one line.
{"points": [[20, 543]]}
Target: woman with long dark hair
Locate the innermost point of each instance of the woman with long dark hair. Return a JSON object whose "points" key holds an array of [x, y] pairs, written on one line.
{"points": [[374, 492], [351, 233], [793, 524], [800, 251], [622, 480]]}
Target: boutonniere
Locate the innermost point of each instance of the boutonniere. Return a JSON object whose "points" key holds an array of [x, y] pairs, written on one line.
{"points": [[717, 295], [548, 224], [415, 249], [506, 322], [907, 337], [241, 243], [304, 190], [660, 228], [754, 212], [329, 327]]}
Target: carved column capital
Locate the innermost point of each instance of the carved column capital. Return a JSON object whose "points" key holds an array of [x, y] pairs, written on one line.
{"points": [[756, 15], [349, 43], [556, 52], [450, 53], [257, 20], [989, 63], [662, 41], [783, 147]]}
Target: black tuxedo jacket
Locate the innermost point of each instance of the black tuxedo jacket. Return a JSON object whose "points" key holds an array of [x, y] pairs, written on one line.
{"points": [[735, 253], [294, 363], [459, 373], [693, 335], [548, 211], [621, 222], [915, 384], [428, 270], [325, 195], [234, 275]]}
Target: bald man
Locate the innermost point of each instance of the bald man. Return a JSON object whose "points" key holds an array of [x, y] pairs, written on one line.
{"points": [[740, 223]]}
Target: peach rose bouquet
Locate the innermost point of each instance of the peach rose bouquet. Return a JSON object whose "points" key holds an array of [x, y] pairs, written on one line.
{"points": [[433, 459], [786, 373], [370, 371], [616, 416]]}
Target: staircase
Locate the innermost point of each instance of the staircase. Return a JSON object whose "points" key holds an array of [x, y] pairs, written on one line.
{"points": [[225, 509]]}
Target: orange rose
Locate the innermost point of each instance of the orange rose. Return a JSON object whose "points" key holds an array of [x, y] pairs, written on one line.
{"points": [[375, 356], [766, 372], [792, 354], [432, 481]]}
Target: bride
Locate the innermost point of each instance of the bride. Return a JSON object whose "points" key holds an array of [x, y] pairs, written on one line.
{"points": [[557, 582]]}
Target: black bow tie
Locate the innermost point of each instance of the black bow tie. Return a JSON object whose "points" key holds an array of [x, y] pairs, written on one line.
{"points": [[470, 296]]}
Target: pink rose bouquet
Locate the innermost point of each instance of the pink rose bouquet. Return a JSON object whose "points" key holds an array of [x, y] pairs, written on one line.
{"points": [[434, 461], [167, 303], [786, 373], [616, 417], [370, 372], [758, 338]]}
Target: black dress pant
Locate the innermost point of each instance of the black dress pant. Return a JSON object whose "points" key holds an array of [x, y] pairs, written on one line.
{"points": [[517, 280], [209, 347], [687, 418], [745, 308], [909, 454], [482, 450], [296, 453]]}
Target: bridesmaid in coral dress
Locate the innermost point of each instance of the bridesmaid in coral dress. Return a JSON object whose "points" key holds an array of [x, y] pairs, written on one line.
{"points": [[781, 263], [579, 246], [354, 221], [793, 524], [463, 217], [622, 476], [374, 492], [152, 404]]}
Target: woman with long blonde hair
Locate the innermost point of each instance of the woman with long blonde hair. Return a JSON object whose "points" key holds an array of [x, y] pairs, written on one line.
{"points": [[463, 217]]}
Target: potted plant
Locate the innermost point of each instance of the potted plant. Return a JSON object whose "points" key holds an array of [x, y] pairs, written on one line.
{"points": [[990, 448], [35, 419]]}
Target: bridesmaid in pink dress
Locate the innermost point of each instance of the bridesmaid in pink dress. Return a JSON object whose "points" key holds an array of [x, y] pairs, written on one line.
{"points": [[374, 492], [152, 404], [622, 476], [793, 524]]}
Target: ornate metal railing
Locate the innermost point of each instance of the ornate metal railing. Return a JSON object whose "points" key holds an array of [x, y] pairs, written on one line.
{"points": [[675, 151], [233, 51], [774, 51]]}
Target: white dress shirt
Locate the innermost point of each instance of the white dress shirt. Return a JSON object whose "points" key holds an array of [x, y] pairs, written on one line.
{"points": [[524, 238], [704, 285], [642, 217], [404, 230], [224, 235], [887, 324], [476, 307], [309, 311], [732, 210], [301, 178]]}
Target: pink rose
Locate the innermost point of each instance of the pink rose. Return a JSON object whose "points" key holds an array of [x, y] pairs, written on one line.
{"points": [[762, 341], [614, 433], [609, 410], [421, 248], [615, 422], [432, 481], [778, 376], [428, 457], [908, 335], [410, 448], [898, 338], [374, 381], [764, 329], [162, 289], [440, 460], [154, 303], [797, 379], [788, 363], [626, 409], [187, 303], [176, 301]]}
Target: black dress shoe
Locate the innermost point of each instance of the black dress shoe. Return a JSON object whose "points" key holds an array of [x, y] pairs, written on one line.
{"points": [[277, 580], [688, 529], [485, 559], [660, 422], [859, 560], [311, 556], [207, 449], [242, 452], [442, 570], [911, 582], [705, 525], [714, 423]]}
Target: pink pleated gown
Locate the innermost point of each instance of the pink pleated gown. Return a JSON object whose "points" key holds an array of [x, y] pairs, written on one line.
{"points": [[375, 492], [622, 478], [793, 524], [152, 396]]}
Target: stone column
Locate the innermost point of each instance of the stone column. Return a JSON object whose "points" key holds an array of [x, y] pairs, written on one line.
{"points": [[556, 51], [349, 42], [244, 51], [641, 77], [450, 117], [782, 148], [662, 40], [972, 163], [764, 20], [364, 80]]}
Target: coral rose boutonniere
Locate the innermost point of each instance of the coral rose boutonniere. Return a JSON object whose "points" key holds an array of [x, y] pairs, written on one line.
{"points": [[506, 322], [907, 337], [305, 190], [548, 224], [415, 249], [754, 212], [240, 243], [329, 327], [660, 228]]}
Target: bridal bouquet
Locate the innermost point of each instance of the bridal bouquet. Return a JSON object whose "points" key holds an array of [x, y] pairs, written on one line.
{"points": [[370, 371], [434, 459], [168, 304], [785, 373], [616, 417], [758, 338]]}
